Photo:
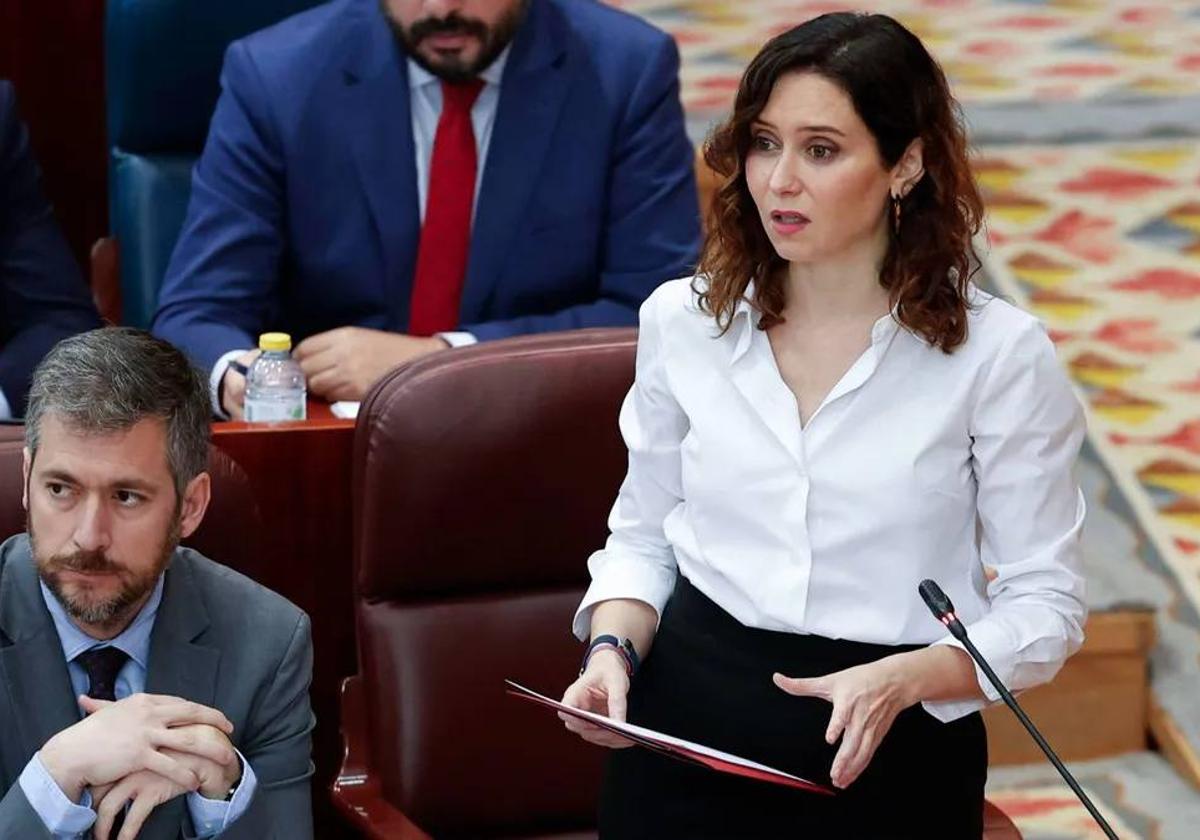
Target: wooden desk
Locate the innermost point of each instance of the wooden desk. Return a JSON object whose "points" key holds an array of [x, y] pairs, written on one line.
{"points": [[300, 477]]}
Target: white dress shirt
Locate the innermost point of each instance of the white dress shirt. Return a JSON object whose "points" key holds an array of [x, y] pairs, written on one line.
{"points": [[916, 465], [425, 105]]}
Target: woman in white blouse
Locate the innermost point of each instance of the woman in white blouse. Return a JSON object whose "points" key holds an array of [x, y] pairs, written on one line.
{"points": [[828, 413]]}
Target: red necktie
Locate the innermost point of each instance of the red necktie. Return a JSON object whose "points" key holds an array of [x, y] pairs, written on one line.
{"points": [[446, 233]]}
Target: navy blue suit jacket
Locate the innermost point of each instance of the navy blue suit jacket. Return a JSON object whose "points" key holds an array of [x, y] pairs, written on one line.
{"points": [[304, 210], [43, 298]]}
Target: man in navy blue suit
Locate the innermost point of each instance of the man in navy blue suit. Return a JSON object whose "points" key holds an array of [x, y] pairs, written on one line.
{"points": [[42, 296], [386, 178]]}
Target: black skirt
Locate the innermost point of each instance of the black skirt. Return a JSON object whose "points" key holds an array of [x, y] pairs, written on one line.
{"points": [[708, 679]]}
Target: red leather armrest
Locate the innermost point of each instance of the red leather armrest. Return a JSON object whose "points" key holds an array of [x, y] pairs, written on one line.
{"points": [[997, 825], [355, 792]]}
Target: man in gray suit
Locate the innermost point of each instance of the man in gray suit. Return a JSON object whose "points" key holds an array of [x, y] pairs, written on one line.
{"points": [[143, 687]]}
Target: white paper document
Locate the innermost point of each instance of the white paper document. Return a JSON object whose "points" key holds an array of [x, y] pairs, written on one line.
{"points": [[345, 409], [676, 747]]}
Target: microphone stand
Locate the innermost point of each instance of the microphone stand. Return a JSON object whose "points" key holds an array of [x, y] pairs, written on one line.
{"points": [[943, 611]]}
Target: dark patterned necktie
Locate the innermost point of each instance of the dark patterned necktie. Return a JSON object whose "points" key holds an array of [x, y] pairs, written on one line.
{"points": [[102, 666]]}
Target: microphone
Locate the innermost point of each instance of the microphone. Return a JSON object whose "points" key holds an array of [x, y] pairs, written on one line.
{"points": [[939, 604]]}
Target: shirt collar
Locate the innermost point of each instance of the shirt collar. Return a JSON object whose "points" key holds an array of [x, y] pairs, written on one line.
{"points": [[744, 322], [134, 640], [418, 76], [746, 317]]}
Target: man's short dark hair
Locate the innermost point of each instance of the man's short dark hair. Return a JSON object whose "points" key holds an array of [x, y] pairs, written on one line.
{"points": [[110, 379]]}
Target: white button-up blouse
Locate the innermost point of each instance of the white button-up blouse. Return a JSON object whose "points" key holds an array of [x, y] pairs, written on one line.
{"points": [[916, 465]]}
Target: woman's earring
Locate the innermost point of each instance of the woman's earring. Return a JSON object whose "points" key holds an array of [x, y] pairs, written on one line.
{"points": [[896, 213]]}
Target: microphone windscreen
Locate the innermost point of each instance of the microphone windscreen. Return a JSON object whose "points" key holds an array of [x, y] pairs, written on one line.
{"points": [[935, 598]]}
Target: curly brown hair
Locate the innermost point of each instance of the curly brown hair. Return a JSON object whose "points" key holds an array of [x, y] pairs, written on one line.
{"points": [[901, 94]]}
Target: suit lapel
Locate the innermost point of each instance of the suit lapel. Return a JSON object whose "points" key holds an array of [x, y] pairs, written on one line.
{"points": [[376, 113], [180, 667], [532, 91], [32, 669]]}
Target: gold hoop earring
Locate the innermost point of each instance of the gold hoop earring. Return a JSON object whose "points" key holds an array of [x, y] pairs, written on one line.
{"points": [[896, 214]]}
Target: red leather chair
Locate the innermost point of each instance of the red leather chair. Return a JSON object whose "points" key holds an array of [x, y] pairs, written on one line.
{"points": [[482, 481], [997, 825]]}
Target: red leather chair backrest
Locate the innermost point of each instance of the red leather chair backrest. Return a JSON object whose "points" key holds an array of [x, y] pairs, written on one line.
{"points": [[229, 534], [482, 481], [12, 486]]}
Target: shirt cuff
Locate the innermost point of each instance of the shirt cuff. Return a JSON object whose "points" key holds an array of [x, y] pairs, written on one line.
{"points": [[5, 408], [458, 339], [991, 643], [212, 816], [63, 818], [623, 576], [214, 381]]}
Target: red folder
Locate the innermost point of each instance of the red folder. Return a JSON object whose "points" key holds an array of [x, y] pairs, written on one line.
{"points": [[676, 747]]}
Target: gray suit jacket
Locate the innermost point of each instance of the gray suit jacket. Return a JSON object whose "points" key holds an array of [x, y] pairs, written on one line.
{"points": [[219, 639]]}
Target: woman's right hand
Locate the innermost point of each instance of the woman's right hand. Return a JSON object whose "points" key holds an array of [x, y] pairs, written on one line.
{"points": [[602, 689]]}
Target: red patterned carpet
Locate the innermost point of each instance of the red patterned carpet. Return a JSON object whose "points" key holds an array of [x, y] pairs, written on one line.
{"points": [[993, 50]]}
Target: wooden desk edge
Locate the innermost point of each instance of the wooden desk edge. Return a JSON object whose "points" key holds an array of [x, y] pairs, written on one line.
{"points": [[229, 427]]}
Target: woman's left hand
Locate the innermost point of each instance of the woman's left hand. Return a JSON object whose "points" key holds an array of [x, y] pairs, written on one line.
{"points": [[866, 699]]}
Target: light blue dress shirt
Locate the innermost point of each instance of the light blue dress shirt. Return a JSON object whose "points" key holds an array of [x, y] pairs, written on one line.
{"points": [[67, 820], [425, 98]]}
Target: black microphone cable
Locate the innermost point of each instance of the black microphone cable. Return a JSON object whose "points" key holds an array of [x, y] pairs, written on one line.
{"points": [[939, 604]]}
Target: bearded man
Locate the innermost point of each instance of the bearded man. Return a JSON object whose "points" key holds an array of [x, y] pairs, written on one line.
{"points": [[143, 687], [385, 179]]}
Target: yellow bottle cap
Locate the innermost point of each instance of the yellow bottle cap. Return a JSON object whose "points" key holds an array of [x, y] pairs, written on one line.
{"points": [[274, 341]]}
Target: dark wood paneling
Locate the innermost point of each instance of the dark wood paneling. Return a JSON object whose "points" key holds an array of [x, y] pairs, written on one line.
{"points": [[53, 52], [300, 477]]}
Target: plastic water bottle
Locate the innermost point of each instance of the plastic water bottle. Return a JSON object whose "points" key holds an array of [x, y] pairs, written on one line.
{"points": [[275, 388]]}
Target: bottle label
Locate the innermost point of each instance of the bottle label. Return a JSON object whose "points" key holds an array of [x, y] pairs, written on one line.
{"points": [[270, 411]]}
